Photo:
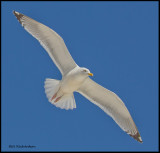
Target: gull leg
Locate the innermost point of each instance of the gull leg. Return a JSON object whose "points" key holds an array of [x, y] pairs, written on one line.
{"points": [[54, 96], [57, 99]]}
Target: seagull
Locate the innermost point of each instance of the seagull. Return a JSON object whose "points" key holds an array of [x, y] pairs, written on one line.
{"points": [[76, 79]]}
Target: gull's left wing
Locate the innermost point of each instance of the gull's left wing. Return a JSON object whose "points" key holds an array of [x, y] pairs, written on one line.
{"points": [[50, 40], [111, 104]]}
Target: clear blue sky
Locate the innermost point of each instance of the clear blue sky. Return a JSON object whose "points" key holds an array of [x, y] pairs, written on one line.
{"points": [[117, 41]]}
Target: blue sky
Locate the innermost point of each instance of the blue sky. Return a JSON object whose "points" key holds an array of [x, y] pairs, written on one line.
{"points": [[117, 41]]}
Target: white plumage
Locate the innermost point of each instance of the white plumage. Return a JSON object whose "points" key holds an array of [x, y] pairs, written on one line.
{"points": [[75, 78]]}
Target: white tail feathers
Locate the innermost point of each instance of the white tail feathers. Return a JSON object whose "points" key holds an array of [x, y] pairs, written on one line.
{"points": [[51, 87], [67, 101]]}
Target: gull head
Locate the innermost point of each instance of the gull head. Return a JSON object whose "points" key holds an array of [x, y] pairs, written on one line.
{"points": [[85, 71]]}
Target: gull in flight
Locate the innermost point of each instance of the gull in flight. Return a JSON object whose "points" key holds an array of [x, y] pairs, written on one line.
{"points": [[76, 79]]}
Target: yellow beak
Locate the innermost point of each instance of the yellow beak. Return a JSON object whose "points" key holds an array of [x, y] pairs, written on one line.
{"points": [[90, 74]]}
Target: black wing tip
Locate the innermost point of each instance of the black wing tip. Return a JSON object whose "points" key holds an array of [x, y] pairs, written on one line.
{"points": [[18, 16], [137, 137]]}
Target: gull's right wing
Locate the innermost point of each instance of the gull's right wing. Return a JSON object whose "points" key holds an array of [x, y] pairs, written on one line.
{"points": [[50, 40], [111, 104]]}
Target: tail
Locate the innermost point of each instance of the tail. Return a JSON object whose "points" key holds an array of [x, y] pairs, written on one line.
{"points": [[67, 101]]}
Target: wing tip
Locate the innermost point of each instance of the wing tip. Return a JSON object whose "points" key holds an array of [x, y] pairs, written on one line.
{"points": [[18, 15], [137, 137]]}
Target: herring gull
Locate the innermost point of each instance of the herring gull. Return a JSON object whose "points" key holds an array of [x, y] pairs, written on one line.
{"points": [[76, 79]]}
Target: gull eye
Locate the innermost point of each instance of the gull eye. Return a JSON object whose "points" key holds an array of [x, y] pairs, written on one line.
{"points": [[84, 70]]}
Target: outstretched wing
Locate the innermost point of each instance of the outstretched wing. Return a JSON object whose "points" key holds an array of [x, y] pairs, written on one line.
{"points": [[110, 103], [50, 40]]}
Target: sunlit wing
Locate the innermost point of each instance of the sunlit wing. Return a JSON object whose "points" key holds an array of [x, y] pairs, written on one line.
{"points": [[50, 40], [110, 103]]}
